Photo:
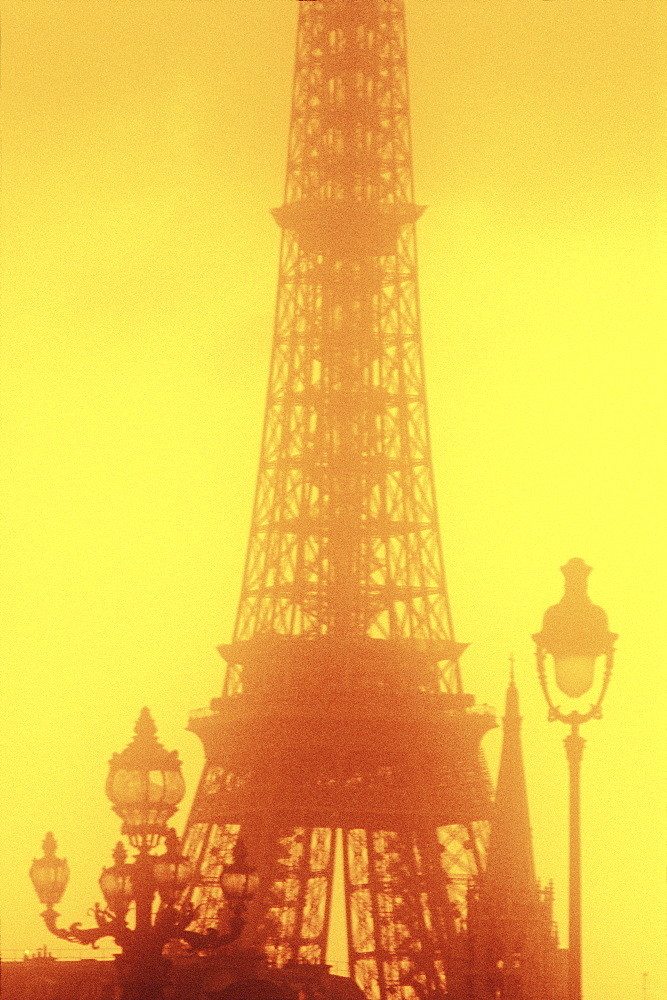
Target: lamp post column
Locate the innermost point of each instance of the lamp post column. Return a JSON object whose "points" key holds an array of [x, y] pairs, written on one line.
{"points": [[574, 748], [142, 971], [575, 632], [144, 894]]}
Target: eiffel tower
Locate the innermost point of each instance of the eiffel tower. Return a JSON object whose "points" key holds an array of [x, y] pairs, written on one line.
{"points": [[343, 729]]}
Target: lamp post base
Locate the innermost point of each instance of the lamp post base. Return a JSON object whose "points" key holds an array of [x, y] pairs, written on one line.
{"points": [[142, 977]]}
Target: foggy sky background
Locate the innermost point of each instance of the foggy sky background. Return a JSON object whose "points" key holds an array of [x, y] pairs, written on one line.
{"points": [[144, 146]]}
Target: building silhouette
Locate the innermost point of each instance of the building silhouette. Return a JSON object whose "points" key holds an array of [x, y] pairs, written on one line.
{"points": [[511, 941]]}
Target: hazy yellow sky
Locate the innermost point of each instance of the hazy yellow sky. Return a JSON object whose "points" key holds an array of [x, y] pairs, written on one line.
{"points": [[144, 145]]}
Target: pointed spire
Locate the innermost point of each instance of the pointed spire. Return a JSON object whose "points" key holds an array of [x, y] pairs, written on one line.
{"points": [[511, 866], [512, 717]]}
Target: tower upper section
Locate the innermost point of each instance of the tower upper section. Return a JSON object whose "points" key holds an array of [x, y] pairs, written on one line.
{"points": [[344, 541], [349, 187]]}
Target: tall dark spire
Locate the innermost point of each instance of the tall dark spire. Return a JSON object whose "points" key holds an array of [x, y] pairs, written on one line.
{"points": [[514, 952], [511, 865]]}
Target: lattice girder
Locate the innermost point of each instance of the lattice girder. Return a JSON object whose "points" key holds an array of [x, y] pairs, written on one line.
{"points": [[344, 537]]}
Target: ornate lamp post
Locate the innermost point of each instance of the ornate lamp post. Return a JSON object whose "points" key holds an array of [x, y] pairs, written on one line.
{"points": [[575, 632], [145, 785]]}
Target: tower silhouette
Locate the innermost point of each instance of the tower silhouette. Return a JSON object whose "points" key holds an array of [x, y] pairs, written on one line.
{"points": [[343, 706]]}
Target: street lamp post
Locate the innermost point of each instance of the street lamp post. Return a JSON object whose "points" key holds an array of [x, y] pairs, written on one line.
{"points": [[575, 632], [145, 785]]}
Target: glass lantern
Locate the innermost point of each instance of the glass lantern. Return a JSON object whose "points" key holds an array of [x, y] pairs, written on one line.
{"points": [[49, 874], [575, 632], [239, 881], [172, 872], [145, 785], [116, 882]]}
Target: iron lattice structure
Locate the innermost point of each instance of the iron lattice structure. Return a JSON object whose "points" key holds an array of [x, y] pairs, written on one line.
{"points": [[343, 706]]}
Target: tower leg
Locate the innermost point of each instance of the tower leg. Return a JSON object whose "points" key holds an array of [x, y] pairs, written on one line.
{"points": [[402, 923], [297, 899]]}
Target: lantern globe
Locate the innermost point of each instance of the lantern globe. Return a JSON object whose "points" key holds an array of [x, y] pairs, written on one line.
{"points": [[49, 874], [145, 785], [239, 885], [574, 674], [172, 871], [575, 632], [239, 880], [116, 882]]}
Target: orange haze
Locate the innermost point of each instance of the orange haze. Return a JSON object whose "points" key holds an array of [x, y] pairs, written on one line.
{"points": [[144, 146]]}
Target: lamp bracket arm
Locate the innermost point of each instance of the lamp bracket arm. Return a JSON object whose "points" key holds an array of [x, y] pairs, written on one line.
{"points": [[75, 933], [595, 711], [608, 667], [103, 917], [211, 940], [554, 713]]}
